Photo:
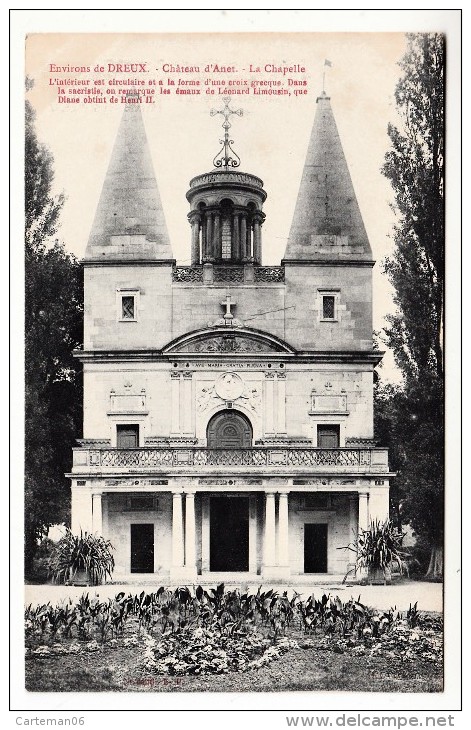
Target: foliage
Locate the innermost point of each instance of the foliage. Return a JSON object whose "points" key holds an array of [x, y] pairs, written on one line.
{"points": [[410, 422], [211, 651], [219, 631], [41, 559], [415, 168], [53, 328], [378, 547], [84, 552], [414, 165]]}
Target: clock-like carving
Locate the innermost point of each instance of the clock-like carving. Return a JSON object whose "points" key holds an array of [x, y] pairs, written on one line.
{"points": [[229, 386]]}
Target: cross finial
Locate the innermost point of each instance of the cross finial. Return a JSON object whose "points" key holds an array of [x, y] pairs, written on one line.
{"points": [[327, 64], [224, 157], [228, 303]]}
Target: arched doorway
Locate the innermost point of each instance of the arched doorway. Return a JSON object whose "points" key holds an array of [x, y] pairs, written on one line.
{"points": [[229, 430], [229, 514]]}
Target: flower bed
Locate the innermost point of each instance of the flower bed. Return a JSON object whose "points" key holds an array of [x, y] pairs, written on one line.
{"points": [[199, 632], [211, 651]]}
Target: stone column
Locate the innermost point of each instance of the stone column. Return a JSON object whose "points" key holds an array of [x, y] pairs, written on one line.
{"points": [[190, 535], [363, 520], [257, 242], [243, 237], [363, 523], [105, 507], [252, 534], [248, 242], [81, 510], [235, 252], [204, 240], [281, 402], [283, 532], [378, 503], [352, 530], [209, 237], [269, 398], [177, 533], [217, 242], [269, 535], [205, 533], [97, 514], [186, 404], [195, 241], [175, 381]]}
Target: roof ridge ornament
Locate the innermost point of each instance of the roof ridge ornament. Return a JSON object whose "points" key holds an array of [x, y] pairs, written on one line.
{"points": [[224, 157]]}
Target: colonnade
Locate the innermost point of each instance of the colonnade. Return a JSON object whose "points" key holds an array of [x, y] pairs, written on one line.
{"points": [[232, 237], [87, 511]]}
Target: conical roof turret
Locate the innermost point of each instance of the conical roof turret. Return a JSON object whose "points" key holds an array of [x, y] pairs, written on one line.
{"points": [[129, 222], [327, 223]]}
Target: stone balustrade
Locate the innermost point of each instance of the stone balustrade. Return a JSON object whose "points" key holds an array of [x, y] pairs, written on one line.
{"points": [[283, 460]]}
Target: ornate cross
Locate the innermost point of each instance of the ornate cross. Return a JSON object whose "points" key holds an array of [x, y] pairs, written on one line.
{"points": [[228, 303], [224, 157]]}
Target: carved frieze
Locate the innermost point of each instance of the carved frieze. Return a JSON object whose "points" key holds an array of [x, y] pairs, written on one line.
{"points": [[229, 273], [231, 342], [269, 273], [186, 274]]}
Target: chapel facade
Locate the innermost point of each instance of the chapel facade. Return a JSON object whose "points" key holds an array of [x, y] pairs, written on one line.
{"points": [[228, 405]]}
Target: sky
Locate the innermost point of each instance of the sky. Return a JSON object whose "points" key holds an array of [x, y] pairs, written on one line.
{"points": [[271, 137]]}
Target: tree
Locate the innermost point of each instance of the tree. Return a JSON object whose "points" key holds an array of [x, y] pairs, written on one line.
{"points": [[414, 166], [53, 325]]}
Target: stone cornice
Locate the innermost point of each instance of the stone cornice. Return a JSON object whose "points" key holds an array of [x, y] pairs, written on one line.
{"points": [[128, 262], [329, 262], [322, 356]]}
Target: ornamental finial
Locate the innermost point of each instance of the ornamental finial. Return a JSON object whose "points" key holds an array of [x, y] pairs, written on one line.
{"points": [[226, 157]]}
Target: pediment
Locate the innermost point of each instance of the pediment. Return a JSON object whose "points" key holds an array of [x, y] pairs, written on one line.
{"points": [[224, 340]]}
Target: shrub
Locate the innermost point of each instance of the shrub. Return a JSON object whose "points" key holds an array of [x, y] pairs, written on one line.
{"points": [[40, 567], [84, 552], [378, 547]]}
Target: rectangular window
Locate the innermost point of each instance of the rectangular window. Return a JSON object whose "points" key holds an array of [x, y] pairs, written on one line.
{"points": [[328, 436], [127, 304], [128, 309], [328, 307], [127, 437]]}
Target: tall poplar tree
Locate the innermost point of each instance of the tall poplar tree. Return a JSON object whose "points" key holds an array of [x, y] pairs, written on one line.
{"points": [[53, 328], [414, 166]]}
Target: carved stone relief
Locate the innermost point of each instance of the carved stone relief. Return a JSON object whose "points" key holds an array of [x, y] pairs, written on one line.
{"points": [[230, 342], [230, 387]]}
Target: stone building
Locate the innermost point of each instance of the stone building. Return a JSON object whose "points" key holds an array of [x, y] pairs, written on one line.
{"points": [[228, 406]]}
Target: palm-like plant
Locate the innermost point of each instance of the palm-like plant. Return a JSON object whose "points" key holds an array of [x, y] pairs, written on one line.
{"points": [[378, 547], [84, 552]]}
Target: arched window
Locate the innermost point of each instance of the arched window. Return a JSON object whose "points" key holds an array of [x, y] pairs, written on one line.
{"points": [[229, 430]]}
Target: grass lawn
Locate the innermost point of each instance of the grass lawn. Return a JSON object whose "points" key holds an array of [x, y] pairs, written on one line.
{"points": [[116, 668]]}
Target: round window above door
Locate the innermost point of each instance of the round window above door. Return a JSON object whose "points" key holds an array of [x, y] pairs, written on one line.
{"points": [[229, 430]]}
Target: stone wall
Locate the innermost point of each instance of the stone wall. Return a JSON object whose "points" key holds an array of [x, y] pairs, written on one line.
{"points": [[290, 311], [340, 518], [102, 328], [288, 401], [117, 520]]}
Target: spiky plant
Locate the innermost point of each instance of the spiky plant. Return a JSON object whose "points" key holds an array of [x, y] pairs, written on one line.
{"points": [[84, 552], [378, 547]]}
